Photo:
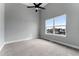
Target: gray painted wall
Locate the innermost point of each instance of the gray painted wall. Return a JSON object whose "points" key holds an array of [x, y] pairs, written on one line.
{"points": [[20, 22], [1, 24], [72, 12]]}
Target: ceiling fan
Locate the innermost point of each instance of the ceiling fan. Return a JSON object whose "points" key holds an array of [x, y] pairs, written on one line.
{"points": [[37, 6]]}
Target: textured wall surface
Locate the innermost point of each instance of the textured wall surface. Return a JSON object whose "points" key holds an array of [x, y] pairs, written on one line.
{"points": [[1, 24], [20, 22]]}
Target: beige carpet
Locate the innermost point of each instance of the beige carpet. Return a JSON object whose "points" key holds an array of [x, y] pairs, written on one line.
{"points": [[37, 47]]}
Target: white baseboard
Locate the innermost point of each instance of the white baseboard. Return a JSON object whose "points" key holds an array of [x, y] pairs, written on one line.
{"points": [[66, 44], [8, 42], [2, 46], [29, 38]]}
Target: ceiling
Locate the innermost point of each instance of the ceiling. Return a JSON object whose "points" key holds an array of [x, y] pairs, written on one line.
{"points": [[31, 4]]}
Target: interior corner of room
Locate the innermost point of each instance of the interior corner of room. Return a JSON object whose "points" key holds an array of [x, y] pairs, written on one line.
{"points": [[19, 23]]}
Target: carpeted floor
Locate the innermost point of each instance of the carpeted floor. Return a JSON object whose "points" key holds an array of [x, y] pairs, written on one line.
{"points": [[37, 47]]}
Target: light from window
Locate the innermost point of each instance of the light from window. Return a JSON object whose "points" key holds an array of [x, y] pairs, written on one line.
{"points": [[56, 25], [49, 26], [60, 24]]}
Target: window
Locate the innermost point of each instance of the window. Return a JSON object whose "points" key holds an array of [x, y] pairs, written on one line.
{"points": [[60, 24], [56, 25], [49, 26]]}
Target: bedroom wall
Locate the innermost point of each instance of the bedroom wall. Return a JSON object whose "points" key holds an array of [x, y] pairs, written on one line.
{"points": [[72, 21], [1, 25], [21, 23]]}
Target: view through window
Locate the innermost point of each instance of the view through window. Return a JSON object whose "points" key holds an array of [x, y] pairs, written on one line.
{"points": [[56, 25], [49, 26]]}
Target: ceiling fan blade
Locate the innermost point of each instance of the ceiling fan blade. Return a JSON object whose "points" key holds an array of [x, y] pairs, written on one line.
{"points": [[39, 4], [35, 4], [42, 7], [30, 6]]}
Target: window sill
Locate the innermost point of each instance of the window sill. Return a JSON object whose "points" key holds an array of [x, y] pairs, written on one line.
{"points": [[48, 34], [59, 35], [56, 35]]}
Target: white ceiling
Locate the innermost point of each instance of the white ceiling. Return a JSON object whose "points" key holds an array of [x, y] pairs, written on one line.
{"points": [[31, 4]]}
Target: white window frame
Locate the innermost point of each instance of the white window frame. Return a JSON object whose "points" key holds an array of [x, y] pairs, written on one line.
{"points": [[46, 29], [54, 29]]}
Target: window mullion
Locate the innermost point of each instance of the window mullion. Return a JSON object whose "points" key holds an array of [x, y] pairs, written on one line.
{"points": [[53, 26]]}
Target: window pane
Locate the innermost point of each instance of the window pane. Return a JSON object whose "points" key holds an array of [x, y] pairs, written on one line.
{"points": [[49, 26], [60, 24], [60, 20], [49, 29], [49, 22]]}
